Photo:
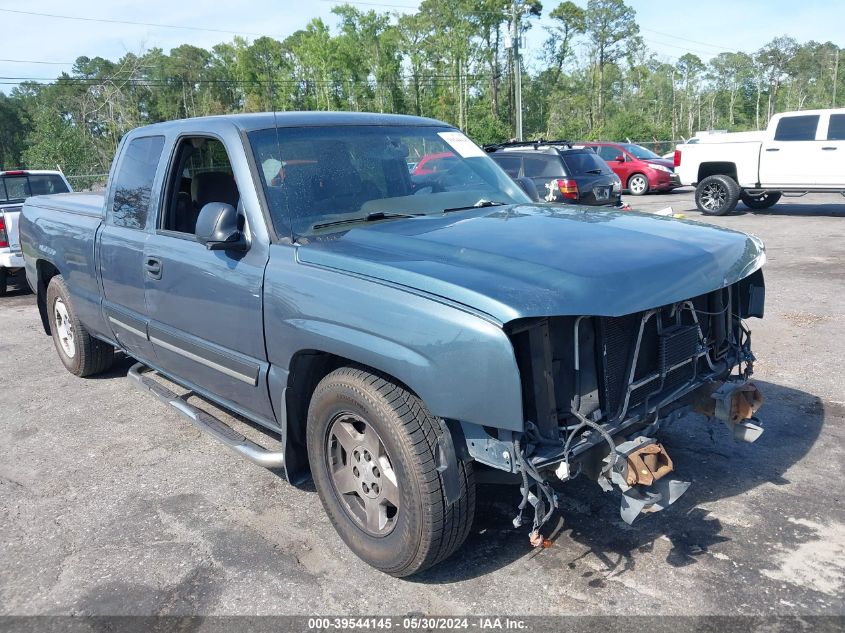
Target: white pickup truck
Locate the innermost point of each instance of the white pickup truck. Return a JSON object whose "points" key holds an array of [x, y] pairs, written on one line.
{"points": [[15, 187], [800, 152]]}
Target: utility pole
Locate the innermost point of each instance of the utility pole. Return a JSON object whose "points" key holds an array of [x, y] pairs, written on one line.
{"points": [[516, 9]]}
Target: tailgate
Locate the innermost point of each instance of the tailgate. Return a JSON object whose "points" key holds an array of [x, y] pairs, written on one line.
{"points": [[11, 216]]}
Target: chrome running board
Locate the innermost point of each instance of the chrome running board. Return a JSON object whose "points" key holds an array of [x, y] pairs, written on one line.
{"points": [[206, 422]]}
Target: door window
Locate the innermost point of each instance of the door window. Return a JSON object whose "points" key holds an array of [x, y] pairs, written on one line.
{"points": [[609, 153], [797, 128], [133, 184], [836, 129], [201, 173], [510, 164]]}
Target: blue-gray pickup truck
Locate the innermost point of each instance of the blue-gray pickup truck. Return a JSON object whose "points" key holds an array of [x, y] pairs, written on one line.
{"points": [[398, 335]]}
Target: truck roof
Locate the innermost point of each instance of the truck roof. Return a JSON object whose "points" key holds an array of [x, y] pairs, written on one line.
{"points": [[264, 120]]}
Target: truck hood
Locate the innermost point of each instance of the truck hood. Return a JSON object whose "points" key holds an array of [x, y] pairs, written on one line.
{"points": [[534, 260]]}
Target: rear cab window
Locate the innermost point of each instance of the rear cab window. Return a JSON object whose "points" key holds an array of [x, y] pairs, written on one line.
{"points": [[797, 128], [133, 183], [19, 187]]}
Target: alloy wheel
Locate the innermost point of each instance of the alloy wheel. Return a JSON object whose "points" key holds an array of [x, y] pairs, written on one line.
{"points": [[713, 196], [637, 185], [64, 328], [362, 474]]}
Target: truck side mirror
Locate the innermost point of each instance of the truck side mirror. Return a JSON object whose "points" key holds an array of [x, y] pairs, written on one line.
{"points": [[219, 228]]}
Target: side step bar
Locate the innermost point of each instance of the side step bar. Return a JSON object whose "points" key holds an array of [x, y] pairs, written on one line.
{"points": [[206, 422]]}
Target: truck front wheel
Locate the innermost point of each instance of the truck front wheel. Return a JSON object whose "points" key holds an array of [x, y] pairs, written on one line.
{"points": [[717, 195], [80, 353], [372, 448], [761, 201]]}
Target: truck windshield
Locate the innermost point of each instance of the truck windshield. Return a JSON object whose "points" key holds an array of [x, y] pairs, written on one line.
{"points": [[19, 187], [322, 180]]}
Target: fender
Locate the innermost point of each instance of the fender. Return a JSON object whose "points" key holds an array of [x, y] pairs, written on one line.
{"points": [[460, 364]]}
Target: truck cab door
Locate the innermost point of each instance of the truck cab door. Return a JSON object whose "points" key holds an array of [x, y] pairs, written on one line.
{"points": [[831, 171], [122, 240], [793, 157], [206, 306]]}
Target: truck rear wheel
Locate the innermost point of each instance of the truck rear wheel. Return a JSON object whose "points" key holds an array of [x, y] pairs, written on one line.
{"points": [[717, 195], [81, 353], [4, 277], [761, 201], [372, 449]]}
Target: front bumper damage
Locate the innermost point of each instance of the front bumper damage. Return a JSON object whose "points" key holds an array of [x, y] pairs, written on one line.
{"points": [[637, 466], [632, 376]]}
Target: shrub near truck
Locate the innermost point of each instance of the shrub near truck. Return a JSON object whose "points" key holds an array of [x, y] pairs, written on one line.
{"points": [[398, 335]]}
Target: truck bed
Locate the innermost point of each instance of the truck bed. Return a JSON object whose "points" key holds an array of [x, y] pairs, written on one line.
{"points": [[62, 229], [87, 203]]}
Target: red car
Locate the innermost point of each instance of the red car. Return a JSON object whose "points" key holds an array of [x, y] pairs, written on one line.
{"points": [[639, 169], [432, 163]]}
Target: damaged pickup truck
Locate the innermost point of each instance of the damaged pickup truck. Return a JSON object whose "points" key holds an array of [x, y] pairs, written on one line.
{"points": [[397, 336]]}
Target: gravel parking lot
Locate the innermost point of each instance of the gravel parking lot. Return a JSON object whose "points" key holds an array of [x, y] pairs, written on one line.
{"points": [[110, 503]]}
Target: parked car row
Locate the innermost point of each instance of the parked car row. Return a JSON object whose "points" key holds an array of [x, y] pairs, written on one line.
{"points": [[593, 174]]}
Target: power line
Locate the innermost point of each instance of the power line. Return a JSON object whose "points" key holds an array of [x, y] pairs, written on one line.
{"points": [[373, 4], [34, 61], [129, 22], [686, 39]]}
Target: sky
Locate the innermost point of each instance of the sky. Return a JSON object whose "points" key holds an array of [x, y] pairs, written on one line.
{"points": [[669, 28]]}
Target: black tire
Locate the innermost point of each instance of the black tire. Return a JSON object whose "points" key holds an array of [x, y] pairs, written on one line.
{"points": [[80, 353], [422, 529], [638, 184], [717, 195], [761, 201], [4, 279]]}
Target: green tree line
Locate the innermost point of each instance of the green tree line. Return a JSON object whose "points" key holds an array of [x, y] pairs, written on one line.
{"points": [[594, 78]]}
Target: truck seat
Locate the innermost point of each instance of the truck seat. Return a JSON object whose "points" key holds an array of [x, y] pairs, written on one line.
{"points": [[213, 186]]}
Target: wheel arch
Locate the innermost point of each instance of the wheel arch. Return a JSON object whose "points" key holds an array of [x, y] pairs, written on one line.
{"points": [[481, 384], [45, 271], [723, 168], [307, 368]]}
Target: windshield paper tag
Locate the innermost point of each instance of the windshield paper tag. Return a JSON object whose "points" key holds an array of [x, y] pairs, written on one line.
{"points": [[461, 144]]}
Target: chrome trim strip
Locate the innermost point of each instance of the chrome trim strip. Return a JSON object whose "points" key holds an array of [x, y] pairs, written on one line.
{"points": [[128, 328], [204, 361]]}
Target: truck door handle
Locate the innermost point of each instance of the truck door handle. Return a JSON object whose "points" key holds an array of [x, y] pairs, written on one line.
{"points": [[828, 148], [772, 149], [152, 266]]}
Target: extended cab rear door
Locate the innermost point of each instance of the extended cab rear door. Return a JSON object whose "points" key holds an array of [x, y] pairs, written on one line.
{"points": [[134, 187], [832, 169], [206, 306], [792, 157]]}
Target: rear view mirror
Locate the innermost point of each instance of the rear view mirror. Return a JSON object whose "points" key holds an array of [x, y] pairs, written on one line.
{"points": [[528, 186], [219, 228], [620, 159]]}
